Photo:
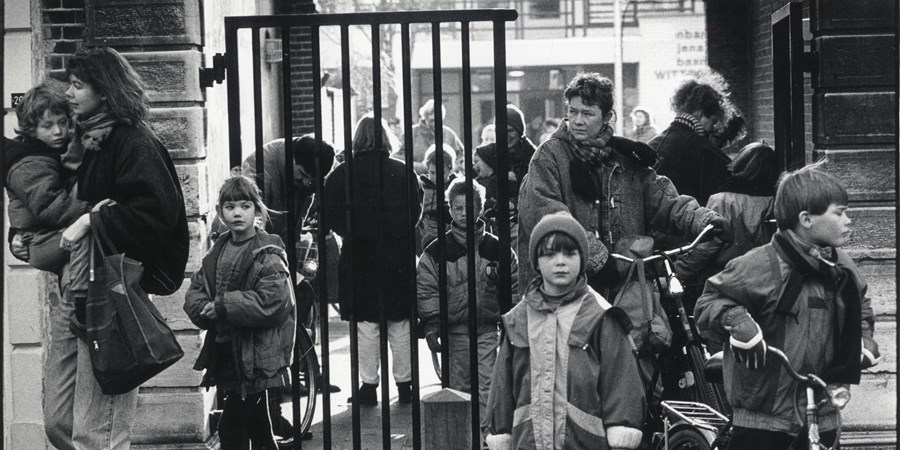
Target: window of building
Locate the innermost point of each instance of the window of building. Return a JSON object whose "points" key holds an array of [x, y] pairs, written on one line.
{"points": [[542, 9]]}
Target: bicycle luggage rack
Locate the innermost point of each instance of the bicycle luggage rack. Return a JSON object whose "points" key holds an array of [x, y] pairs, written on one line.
{"points": [[699, 415]]}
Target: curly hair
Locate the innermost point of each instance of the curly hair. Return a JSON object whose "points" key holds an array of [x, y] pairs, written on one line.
{"points": [[708, 93], [593, 88], [110, 74], [38, 100]]}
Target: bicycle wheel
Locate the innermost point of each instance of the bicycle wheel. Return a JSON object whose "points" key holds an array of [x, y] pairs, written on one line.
{"points": [[308, 368], [684, 438]]}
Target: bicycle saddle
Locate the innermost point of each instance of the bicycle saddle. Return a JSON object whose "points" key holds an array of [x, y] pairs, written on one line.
{"points": [[713, 369]]}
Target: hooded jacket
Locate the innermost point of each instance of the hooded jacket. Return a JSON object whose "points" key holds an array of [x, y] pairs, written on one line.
{"points": [[581, 349], [255, 308], [633, 200]]}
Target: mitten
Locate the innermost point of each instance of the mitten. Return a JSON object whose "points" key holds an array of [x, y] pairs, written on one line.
{"points": [[721, 228], [746, 340], [433, 341], [597, 256], [870, 356]]}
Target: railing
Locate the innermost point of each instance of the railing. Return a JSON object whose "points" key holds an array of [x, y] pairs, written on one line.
{"points": [[374, 21]]}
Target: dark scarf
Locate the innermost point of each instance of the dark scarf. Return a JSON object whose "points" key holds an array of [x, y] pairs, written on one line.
{"points": [[746, 187], [89, 134], [845, 367]]}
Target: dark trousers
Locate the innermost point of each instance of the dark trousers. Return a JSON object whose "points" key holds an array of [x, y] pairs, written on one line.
{"points": [[246, 420], [753, 439]]}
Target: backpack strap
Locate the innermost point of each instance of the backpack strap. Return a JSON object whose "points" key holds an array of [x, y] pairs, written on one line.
{"points": [[791, 291]]}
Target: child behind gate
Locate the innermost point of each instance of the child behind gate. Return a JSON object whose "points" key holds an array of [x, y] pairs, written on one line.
{"points": [[243, 296]]}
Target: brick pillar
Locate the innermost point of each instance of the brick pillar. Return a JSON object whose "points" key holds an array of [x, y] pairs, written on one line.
{"points": [[302, 118]]}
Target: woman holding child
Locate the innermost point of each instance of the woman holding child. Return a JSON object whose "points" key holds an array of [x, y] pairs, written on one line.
{"points": [[128, 178]]}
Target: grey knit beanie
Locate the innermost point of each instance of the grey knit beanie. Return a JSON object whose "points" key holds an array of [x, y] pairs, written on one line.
{"points": [[558, 222], [515, 118]]}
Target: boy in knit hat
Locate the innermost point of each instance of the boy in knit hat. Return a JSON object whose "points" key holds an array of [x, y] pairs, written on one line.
{"points": [[484, 164], [565, 376]]}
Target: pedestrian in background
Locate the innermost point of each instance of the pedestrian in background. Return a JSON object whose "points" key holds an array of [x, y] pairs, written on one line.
{"points": [[642, 127], [486, 262], [374, 263], [688, 157], [424, 136]]}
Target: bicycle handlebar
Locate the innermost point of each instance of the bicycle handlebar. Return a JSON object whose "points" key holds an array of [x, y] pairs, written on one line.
{"points": [[809, 380], [701, 237]]}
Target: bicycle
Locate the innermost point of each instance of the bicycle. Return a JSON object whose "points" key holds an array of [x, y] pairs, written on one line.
{"points": [[695, 425], [686, 387]]}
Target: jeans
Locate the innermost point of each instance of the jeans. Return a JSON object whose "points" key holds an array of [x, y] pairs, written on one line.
{"points": [[77, 415], [370, 351], [459, 366]]}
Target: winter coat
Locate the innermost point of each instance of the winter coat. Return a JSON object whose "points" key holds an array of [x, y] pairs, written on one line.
{"points": [[423, 137], [41, 194], [762, 398], [428, 226], [381, 210], [696, 167], [747, 215], [148, 222], [487, 263], [635, 199], [255, 308], [518, 160], [580, 352]]}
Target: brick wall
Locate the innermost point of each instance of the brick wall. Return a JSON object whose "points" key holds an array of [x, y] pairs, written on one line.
{"points": [[302, 116], [63, 32]]}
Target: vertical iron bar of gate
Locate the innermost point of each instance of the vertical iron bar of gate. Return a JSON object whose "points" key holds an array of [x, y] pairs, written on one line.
{"points": [[322, 272], [471, 223], [287, 204], [380, 282], [439, 168], [505, 281], [2, 244], [348, 241], [411, 196], [234, 93], [257, 115]]}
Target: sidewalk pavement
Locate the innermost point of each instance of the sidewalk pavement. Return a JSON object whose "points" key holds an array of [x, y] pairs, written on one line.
{"points": [[370, 416]]}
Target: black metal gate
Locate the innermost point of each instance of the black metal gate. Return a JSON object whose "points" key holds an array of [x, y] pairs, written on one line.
{"points": [[314, 22]]}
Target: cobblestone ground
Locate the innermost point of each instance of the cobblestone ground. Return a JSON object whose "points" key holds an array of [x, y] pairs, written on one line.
{"points": [[370, 416]]}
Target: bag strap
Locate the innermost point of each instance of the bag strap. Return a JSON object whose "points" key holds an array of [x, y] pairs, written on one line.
{"points": [[636, 275], [101, 237]]}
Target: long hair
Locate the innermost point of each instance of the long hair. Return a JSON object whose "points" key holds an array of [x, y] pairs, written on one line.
{"points": [[38, 100], [239, 187], [112, 76], [364, 138]]}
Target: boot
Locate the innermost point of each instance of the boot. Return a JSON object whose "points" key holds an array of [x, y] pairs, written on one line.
{"points": [[404, 392], [320, 385], [367, 395]]}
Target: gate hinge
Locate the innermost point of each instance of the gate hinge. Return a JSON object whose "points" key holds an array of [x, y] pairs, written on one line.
{"points": [[216, 73]]}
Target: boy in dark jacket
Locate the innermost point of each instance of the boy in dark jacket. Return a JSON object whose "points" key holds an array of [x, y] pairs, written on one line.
{"points": [[799, 293], [565, 377], [487, 257], [42, 195]]}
